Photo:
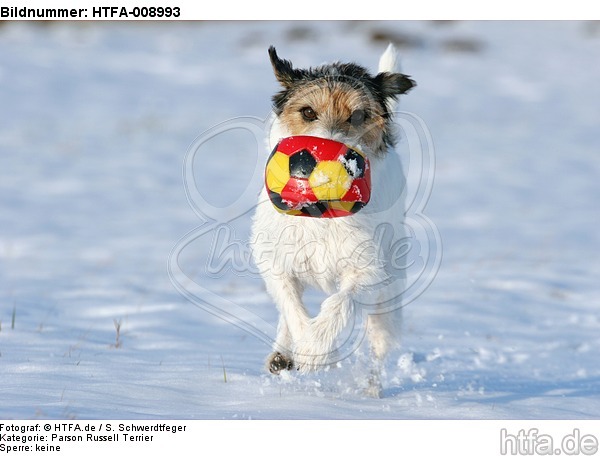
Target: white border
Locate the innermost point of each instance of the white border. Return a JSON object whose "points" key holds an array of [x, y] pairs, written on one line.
{"points": [[361, 437]]}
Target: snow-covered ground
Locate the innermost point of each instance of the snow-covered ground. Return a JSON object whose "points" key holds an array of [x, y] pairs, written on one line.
{"points": [[95, 123]]}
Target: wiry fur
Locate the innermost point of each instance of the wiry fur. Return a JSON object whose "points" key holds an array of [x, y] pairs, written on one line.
{"points": [[343, 85], [345, 257]]}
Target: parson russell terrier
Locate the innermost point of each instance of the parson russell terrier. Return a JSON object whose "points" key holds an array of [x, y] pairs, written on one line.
{"points": [[344, 257]]}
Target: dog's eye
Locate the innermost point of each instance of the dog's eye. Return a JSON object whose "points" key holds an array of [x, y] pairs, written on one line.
{"points": [[357, 118], [308, 113]]}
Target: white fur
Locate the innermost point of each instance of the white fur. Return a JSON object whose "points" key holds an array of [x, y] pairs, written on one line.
{"points": [[389, 60], [341, 256]]}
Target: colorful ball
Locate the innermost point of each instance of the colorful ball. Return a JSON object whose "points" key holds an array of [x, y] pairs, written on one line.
{"points": [[317, 177]]}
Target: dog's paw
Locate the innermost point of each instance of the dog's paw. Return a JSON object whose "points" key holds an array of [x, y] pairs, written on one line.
{"points": [[278, 362], [373, 392], [374, 388]]}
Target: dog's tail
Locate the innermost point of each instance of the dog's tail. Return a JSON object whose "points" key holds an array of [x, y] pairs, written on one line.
{"points": [[389, 62]]}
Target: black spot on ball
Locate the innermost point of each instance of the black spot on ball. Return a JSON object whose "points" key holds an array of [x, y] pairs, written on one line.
{"points": [[302, 164], [314, 209], [353, 156], [278, 201], [357, 207]]}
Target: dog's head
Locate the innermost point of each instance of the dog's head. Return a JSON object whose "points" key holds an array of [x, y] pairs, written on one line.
{"points": [[341, 101]]}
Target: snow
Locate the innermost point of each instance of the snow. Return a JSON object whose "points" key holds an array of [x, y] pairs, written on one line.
{"points": [[95, 125], [351, 165], [319, 178]]}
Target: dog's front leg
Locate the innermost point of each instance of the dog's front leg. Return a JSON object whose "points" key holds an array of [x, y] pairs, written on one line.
{"points": [[317, 344], [286, 291]]}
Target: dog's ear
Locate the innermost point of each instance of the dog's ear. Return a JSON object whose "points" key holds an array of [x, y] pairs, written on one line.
{"points": [[393, 84], [285, 73]]}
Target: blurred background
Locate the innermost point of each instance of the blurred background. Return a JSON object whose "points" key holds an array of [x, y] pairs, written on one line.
{"points": [[95, 122]]}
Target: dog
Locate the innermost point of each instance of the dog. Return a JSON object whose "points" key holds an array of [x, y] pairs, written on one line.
{"points": [[347, 258]]}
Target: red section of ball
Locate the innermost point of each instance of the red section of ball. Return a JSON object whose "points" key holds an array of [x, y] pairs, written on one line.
{"points": [[360, 190], [331, 213], [297, 193], [320, 148]]}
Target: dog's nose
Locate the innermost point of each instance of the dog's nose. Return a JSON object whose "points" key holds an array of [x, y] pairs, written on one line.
{"points": [[334, 132]]}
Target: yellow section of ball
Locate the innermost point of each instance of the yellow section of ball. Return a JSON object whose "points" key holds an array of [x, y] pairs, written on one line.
{"points": [[342, 205], [288, 212], [330, 180], [277, 173]]}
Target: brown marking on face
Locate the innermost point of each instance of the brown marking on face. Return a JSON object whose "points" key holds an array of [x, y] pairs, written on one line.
{"points": [[334, 104]]}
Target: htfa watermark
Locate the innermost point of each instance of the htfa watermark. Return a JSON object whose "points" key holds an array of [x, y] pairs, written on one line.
{"points": [[533, 442]]}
